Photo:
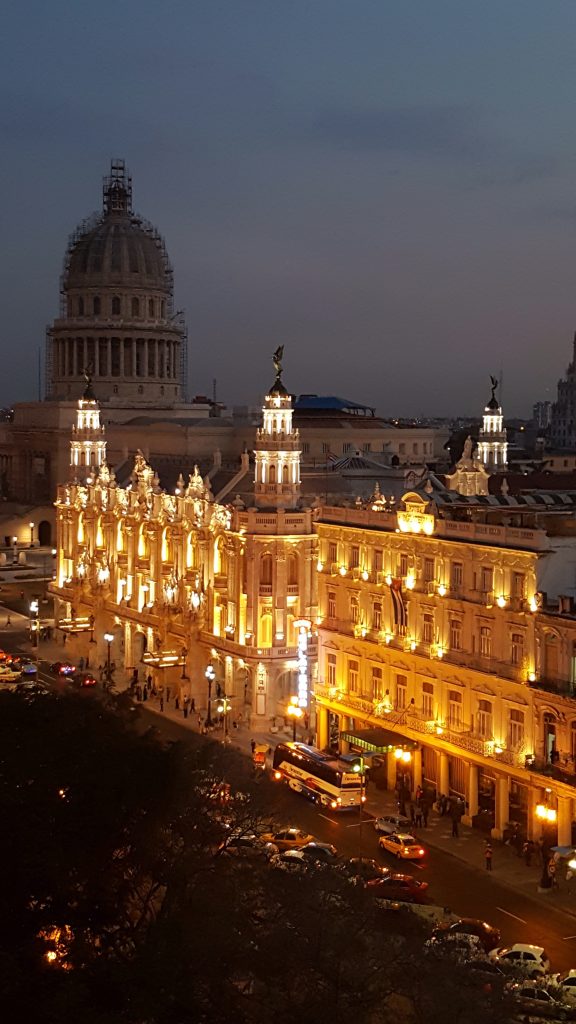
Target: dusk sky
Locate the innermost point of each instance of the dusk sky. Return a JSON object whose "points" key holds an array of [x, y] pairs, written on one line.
{"points": [[388, 189]]}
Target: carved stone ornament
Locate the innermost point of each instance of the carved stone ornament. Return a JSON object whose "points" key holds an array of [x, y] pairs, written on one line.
{"points": [[195, 488]]}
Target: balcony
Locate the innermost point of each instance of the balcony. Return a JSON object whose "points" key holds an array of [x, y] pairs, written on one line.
{"points": [[564, 771], [554, 685]]}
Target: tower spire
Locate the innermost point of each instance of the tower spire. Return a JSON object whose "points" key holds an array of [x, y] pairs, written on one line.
{"points": [[492, 441], [88, 443], [117, 189], [277, 453]]}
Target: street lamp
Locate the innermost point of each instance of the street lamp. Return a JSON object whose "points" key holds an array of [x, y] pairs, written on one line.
{"points": [[294, 711], [223, 707], [184, 655], [92, 620], [34, 606], [210, 676], [31, 525], [108, 638], [358, 767]]}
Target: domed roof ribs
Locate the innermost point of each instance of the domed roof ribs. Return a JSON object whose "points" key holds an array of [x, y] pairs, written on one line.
{"points": [[117, 189]]}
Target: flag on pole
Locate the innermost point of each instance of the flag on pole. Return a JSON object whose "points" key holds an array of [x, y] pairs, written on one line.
{"points": [[400, 611]]}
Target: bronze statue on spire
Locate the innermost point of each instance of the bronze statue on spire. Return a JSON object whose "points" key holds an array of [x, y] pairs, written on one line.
{"points": [[494, 385], [277, 360]]}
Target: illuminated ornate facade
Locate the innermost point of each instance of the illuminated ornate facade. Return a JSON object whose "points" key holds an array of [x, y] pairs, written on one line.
{"points": [[88, 444], [182, 582], [492, 443], [433, 630]]}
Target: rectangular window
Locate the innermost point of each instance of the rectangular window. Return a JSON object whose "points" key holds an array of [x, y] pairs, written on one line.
{"points": [[331, 604], [402, 448], [516, 729], [353, 675], [455, 635], [486, 580], [332, 552], [428, 700], [428, 629], [326, 447], [305, 447], [403, 565], [484, 724], [456, 576], [354, 611], [346, 447], [429, 573], [401, 689], [518, 586], [366, 447], [331, 670], [377, 684], [377, 615], [354, 557], [485, 641], [454, 709], [517, 651], [377, 560]]}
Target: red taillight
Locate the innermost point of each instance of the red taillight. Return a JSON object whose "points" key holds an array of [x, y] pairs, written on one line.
{"points": [[277, 775], [334, 805], [421, 853]]}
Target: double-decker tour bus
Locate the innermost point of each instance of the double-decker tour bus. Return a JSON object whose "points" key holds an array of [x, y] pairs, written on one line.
{"points": [[321, 777]]}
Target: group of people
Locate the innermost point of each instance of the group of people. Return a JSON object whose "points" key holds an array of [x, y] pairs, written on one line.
{"points": [[453, 807], [419, 809]]}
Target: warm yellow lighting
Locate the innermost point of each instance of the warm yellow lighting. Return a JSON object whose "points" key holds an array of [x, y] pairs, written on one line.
{"points": [[389, 580], [412, 645], [440, 653], [410, 581], [533, 604], [501, 601], [441, 590], [498, 749], [406, 756], [365, 574], [388, 637], [439, 730], [398, 753], [545, 813], [342, 570], [531, 677], [320, 566]]}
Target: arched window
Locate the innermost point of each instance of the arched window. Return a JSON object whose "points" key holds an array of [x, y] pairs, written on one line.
{"points": [[285, 474], [135, 307], [191, 551], [265, 630], [115, 306], [272, 474], [551, 656], [151, 308], [96, 305], [80, 306]]}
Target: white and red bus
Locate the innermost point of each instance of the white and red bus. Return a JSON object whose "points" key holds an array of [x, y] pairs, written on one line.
{"points": [[321, 777]]}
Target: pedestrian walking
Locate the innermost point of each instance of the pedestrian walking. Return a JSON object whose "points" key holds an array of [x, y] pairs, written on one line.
{"points": [[138, 692], [199, 721], [145, 694], [252, 745], [177, 704], [412, 814], [193, 704], [418, 817], [488, 856], [186, 702], [81, 664], [161, 703], [149, 682], [527, 851], [168, 691]]}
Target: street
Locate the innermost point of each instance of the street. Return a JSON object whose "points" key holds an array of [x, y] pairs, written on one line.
{"points": [[453, 883]]}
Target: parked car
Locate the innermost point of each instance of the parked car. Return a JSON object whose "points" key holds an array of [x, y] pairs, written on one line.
{"points": [[402, 888], [323, 852], [247, 846], [488, 935], [533, 998], [8, 674], [288, 838], [402, 845], [389, 823], [567, 982], [363, 869], [28, 670], [31, 688], [291, 860], [62, 668], [528, 959]]}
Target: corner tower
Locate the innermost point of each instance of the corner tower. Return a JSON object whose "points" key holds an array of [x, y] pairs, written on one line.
{"points": [[277, 452], [492, 442], [88, 444]]}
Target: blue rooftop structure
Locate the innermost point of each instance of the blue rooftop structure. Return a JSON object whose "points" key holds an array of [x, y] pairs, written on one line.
{"points": [[331, 403]]}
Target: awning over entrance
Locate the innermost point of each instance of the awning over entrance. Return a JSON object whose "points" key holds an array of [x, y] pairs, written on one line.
{"points": [[378, 741]]}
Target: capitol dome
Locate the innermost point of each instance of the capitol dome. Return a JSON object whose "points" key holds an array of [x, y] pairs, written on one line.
{"points": [[116, 246], [117, 320]]}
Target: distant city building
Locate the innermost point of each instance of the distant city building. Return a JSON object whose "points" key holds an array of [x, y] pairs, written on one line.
{"points": [[492, 442], [563, 425], [542, 415]]}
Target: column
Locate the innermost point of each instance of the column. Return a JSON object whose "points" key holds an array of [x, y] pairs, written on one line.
{"points": [[502, 806], [443, 773], [321, 727], [416, 769], [564, 821], [534, 830], [391, 770], [343, 726], [472, 808]]}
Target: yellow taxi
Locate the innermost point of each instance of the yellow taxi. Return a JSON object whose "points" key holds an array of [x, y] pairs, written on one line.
{"points": [[287, 838], [402, 845]]}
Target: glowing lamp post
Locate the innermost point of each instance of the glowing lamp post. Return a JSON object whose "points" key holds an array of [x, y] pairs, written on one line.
{"points": [[223, 707], [210, 676], [108, 638], [294, 711], [31, 525], [358, 768]]}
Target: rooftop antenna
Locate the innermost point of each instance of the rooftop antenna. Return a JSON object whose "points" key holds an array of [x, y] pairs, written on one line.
{"points": [[214, 390]]}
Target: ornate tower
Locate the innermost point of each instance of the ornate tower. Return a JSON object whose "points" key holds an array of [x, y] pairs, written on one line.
{"points": [[277, 452], [88, 444], [116, 310], [492, 443]]}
